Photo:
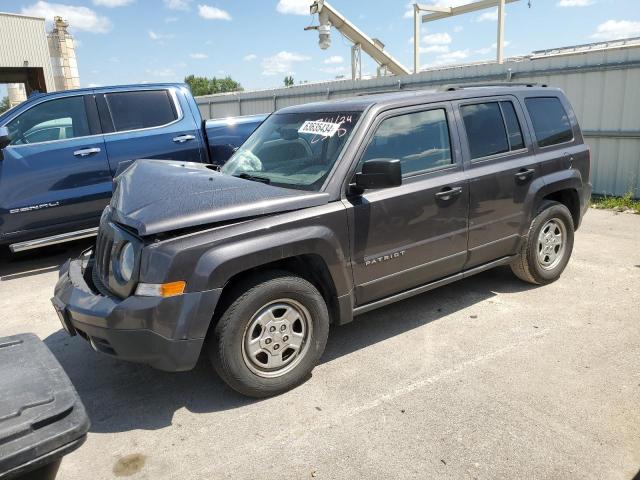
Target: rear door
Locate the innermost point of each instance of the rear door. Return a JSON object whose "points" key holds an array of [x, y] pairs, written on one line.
{"points": [[415, 233], [55, 174], [148, 124], [501, 166]]}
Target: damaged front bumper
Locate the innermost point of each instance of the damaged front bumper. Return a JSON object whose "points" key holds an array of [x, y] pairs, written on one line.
{"points": [[166, 333]]}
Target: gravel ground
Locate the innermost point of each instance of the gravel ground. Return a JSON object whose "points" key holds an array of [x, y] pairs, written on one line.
{"points": [[485, 378]]}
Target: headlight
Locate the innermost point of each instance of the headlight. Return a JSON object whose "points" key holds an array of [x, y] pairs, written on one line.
{"points": [[127, 261]]}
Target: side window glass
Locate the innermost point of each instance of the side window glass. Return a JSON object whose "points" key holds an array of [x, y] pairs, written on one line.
{"points": [[58, 119], [550, 120], [513, 126], [485, 129], [141, 109], [419, 140]]}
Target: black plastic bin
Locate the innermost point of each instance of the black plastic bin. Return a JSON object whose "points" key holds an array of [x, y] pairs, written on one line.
{"points": [[41, 416]]}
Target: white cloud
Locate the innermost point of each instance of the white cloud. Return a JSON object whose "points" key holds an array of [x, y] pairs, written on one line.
{"points": [[177, 4], [451, 57], [334, 59], [282, 62], [492, 48], [80, 18], [294, 7], [94, 85], [113, 60], [435, 49], [112, 3], [613, 29], [250, 58], [437, 39], [161, 72], [574, 3], [170, 19], [198, 56], [334, 70], [491, 16], [458, 28], [159, 37], [213, 13]]}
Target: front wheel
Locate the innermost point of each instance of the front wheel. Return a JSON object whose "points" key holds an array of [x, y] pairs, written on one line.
{"points": [[271, 335], [546, 250]]}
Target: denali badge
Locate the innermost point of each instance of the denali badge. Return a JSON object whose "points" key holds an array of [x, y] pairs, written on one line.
{"points": [[35, 207], [383, 258]]}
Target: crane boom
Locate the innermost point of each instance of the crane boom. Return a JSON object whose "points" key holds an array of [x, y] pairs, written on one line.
{"points": [[370, 46]]}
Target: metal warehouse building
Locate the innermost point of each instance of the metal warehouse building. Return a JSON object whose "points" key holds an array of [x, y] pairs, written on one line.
{"points": [[602, 80]]}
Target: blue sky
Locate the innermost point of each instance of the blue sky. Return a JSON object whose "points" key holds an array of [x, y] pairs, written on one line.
{"points": [[258, 42]]}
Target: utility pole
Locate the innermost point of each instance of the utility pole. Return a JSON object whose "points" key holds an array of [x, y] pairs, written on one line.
{"points": [[500, 41]]}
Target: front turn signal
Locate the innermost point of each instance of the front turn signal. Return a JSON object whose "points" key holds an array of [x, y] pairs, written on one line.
{"points": [[170, 289]]}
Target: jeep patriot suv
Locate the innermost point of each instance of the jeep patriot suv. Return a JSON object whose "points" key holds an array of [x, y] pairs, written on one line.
{"points": [[329, 210]]}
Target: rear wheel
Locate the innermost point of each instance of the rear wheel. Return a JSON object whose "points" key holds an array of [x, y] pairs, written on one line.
{"points": [[546, 250], [271, 335]]}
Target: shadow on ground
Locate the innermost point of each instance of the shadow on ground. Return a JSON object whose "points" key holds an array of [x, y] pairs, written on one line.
{"points": [[42, 260], [122, 396]]}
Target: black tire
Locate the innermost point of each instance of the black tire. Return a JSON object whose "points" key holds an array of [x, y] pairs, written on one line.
{"points": [[227, 347], [527, 265]]}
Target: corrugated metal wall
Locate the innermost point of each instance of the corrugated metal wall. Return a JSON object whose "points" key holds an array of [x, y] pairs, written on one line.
{"points": [[602, 82], [23, 39]]}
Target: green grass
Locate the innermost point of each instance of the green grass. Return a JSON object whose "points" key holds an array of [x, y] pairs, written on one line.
{"points": [[626, 202]]}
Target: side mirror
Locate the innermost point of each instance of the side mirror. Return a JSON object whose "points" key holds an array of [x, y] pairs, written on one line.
{"points": [[379, 173], [5, 139]]}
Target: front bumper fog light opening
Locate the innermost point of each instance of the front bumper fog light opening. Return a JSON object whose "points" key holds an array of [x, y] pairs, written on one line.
{"points": [[170, 289]]}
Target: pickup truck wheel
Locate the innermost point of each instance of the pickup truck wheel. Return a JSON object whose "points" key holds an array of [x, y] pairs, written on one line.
{"points": [[546, 250], [271, 335]]}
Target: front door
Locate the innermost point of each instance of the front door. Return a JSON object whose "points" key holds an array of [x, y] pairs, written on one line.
{"points": [[501, 167], [55, 174], [413, 234]]}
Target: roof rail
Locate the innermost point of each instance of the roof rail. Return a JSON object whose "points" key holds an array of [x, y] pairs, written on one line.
{"points": [[461, 86]]}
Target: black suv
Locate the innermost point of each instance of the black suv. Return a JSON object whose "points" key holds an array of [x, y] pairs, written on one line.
{"points": [[329, 210]]}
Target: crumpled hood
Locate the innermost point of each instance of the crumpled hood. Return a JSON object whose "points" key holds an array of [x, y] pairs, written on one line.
{"points": [[155, 196]]}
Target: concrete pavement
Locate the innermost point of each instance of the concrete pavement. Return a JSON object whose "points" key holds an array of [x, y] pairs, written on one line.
{"points": [[485, 378]]}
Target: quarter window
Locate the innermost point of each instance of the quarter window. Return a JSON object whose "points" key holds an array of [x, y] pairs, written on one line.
{"points": [[550, 121], [492, 128], [140, 109], [420, 140], [58, 119]]}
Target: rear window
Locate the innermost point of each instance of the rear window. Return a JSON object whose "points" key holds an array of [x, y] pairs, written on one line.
{"points": [[485, 129], [492, 128], [550, 121], [141, 109]]}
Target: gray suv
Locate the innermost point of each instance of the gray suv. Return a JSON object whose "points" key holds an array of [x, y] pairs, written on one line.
{"points": [[329, 210]]}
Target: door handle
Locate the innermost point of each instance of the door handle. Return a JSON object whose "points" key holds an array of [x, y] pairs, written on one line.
{"points": [[85, 152], [183, 138], [447, 193], [525, 174]]}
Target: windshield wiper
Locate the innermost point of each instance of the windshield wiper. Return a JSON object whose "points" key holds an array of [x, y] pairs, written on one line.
{"points": [[255, 178]]}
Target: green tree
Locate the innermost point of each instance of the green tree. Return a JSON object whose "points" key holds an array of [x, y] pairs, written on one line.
{"points": [[288, 81], [207, 86], [4, 104]]}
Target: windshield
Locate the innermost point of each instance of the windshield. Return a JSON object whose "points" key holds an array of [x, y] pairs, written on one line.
{"points": [[293, 150]]}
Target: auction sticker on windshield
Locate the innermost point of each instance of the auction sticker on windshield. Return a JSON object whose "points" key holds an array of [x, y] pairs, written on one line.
{"points": [[326, 129]]}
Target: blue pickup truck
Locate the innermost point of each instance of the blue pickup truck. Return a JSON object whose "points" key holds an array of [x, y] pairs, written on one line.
{"points": [[59, 153]]}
